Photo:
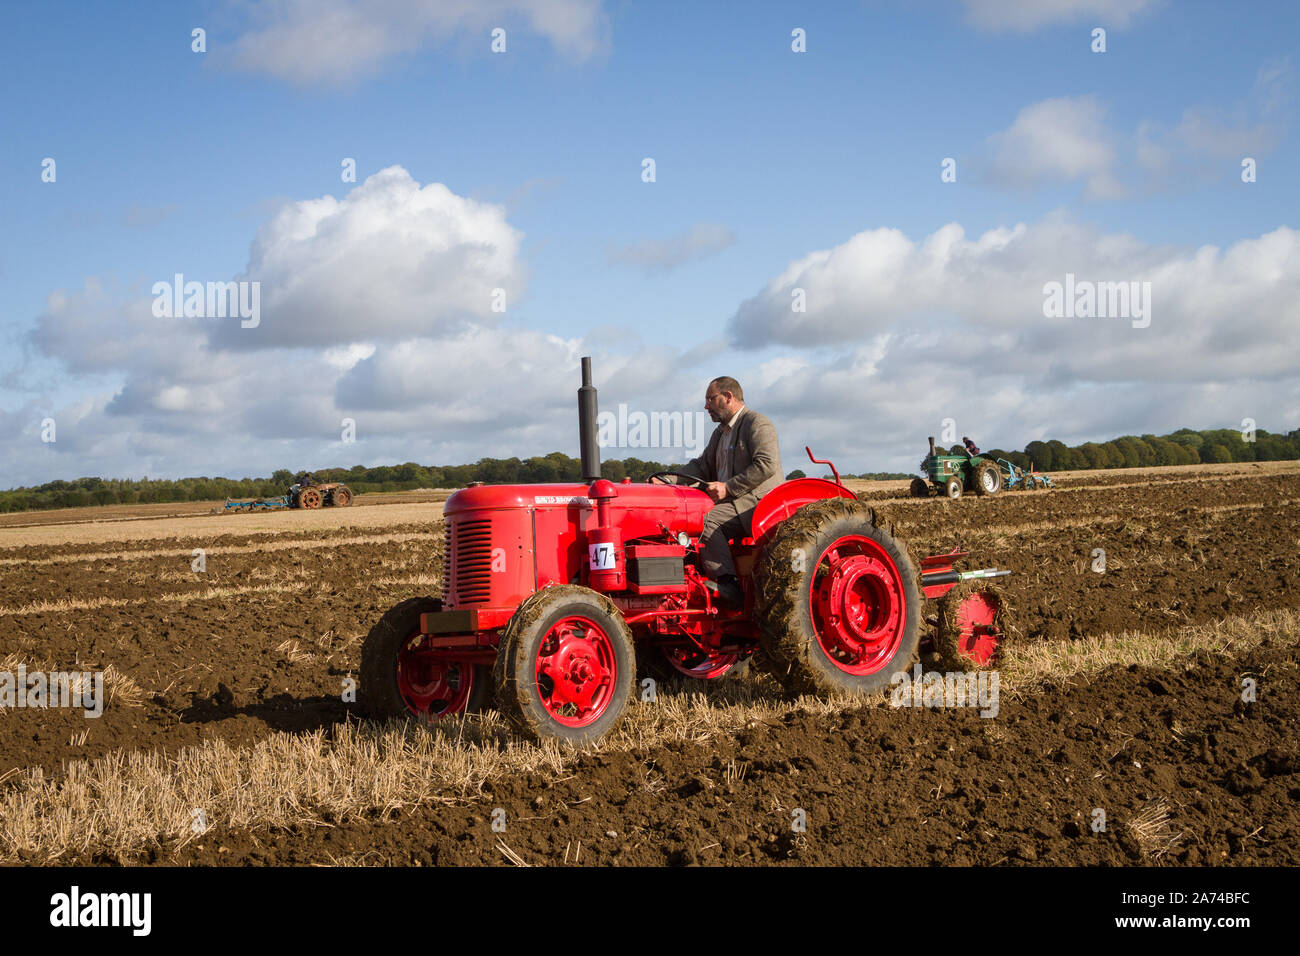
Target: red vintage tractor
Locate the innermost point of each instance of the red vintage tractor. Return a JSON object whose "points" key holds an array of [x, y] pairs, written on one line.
{"points": [[550, 590]]}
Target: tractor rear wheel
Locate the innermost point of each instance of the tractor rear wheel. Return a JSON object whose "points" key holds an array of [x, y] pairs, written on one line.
{"points": [[837, 601], [971, 626], [986, 478], [566, 665], [919, 488], [309, 498], [953, 488], [400, 677]]}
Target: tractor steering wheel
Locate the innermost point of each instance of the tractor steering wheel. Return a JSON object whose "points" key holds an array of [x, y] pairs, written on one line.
{"points": [[694, 482]]}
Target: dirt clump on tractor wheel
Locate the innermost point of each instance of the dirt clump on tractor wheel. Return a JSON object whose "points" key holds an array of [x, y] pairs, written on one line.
{"points": [[948, 633], [783, 582], [517, 679]]}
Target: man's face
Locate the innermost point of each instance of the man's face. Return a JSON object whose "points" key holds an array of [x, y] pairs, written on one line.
{"points": [[717, 404]]}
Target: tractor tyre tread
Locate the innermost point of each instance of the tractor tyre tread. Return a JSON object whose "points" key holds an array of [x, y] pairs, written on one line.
{"points": [[978, 473], [520, 702], [789, 649], [947, 633], [377, 690]]}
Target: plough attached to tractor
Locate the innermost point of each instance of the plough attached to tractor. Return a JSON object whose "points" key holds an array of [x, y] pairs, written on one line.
{"points": [[551, 593]]}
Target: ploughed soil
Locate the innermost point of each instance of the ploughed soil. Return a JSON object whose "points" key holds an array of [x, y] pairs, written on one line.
{"points": [[263, 639], [1183, 769]]}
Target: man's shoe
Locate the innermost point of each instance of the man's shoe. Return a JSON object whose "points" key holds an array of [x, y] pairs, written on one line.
{"points": [[729, 591]]}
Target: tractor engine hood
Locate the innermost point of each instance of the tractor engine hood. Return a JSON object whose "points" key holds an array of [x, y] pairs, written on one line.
{"points": [[506, 541], [641, 509]]}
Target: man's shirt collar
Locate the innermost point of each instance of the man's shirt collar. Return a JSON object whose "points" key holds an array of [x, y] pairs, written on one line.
{"points": [[731, 422]]}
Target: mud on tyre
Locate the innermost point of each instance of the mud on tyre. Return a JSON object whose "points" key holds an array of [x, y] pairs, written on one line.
{"points": [[986, 479], [837, 601], [400, 679], [566, 665], [972, 626]]}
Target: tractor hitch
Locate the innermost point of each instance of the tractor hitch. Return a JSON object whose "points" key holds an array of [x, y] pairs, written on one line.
{"points": [[938, 574]]}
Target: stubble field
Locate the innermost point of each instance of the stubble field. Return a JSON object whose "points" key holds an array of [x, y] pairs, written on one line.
{"points": [[226, 738]]}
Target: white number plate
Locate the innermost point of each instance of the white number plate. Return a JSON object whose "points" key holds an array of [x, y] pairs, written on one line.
{"points": [[601, 556]]}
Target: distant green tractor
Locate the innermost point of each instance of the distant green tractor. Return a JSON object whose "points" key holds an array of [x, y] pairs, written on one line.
{"points": [[953, 474]]}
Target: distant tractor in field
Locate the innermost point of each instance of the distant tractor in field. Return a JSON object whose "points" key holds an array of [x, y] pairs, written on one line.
{"points": [[306, 493], [951, 475], [954, 474]]}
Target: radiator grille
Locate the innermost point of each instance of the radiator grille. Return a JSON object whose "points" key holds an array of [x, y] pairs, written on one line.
{"points": [[469, 554]]}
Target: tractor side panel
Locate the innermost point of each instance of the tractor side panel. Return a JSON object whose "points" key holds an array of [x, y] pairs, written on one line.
{"points": [[490, 560], [638, 511], [562, 555]]}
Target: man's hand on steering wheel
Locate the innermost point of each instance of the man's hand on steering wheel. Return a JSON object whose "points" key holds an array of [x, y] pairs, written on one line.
{"points": [[690, 480], [717, 490]]}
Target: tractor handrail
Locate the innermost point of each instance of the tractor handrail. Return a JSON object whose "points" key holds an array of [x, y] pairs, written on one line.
{"points": [[818, 461]]}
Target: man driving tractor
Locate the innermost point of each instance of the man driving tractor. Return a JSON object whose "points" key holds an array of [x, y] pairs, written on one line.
{"points": [[741, 464]]}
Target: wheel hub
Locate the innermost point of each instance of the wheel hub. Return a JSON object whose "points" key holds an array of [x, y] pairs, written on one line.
{"points": [[575, 671], [432, 687], [858, 607]]}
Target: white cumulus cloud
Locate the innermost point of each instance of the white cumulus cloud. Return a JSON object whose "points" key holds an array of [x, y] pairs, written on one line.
{"points": [[391, 259]]}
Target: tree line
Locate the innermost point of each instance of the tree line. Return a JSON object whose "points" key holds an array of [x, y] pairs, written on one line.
{"points": [[1183, 447], [1186, 446]]}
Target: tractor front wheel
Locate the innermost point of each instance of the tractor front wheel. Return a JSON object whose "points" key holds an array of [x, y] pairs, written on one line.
{"points": [[341, 497], [953, 488], [400, 676], [837, 601], [566, 665]]}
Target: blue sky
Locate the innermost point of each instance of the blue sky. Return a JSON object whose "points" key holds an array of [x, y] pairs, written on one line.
{"points": [[1120, 165]]}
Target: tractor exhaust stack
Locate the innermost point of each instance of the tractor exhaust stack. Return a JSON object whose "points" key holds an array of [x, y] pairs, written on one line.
{"points": [[587, 414], [931, 446]]}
